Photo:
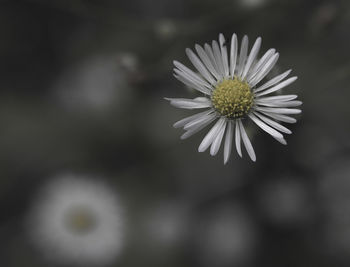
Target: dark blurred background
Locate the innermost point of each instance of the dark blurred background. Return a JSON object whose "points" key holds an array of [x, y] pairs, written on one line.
{"points": [[81, 91]]}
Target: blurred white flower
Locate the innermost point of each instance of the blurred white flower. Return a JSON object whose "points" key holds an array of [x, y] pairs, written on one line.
{"points": [[227, 237], [97, 83], [285, 201], [334, 191], [230, 84], [252, 3], [128, 61], [165, 29], [78, 221]]}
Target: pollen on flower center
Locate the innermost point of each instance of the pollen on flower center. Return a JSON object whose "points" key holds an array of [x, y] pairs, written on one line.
{"points": [[232, 98]]}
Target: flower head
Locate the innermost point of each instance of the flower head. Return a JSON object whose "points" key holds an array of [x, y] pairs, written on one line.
{"points": [[77, 221], [230, 82]]}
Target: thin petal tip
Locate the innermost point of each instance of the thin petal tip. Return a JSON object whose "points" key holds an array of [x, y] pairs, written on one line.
{"points": [[282, 141], [222, 38]]}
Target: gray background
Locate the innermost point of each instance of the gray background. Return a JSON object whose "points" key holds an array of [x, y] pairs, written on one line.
{"points": [[81, 90]]}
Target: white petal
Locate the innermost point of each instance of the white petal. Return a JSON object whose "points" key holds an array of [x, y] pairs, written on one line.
{"points": [[186, 120], [281, 140], [252, 56], [209, 138], [192, 79], [278, 86], [238, 139], [279, 110], [223, 49], [218, 57], [201, 99], [189, 103], [209, 52], [257, 67], [197, 63], [233, 55], [280, 117], [280, 104], [247, 142], [242, 55], [191, 84], [273, 123], [273, 81], [191, 74], [198, 121], [277, 98], [294, 103], [215, 146], [264, 70], [265, 127], [207, 62], [197, 128], [228, 141]]}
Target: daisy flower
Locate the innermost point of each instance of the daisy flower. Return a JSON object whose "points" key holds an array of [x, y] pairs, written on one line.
{"points": [[78, 221], [232, 91]]}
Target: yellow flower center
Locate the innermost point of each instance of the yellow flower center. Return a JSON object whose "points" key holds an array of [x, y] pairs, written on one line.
{"points": [[232, 98], [81, 220]]}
